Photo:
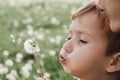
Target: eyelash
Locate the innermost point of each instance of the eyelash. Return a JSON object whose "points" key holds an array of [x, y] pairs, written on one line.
{"points": [[82, 41]]}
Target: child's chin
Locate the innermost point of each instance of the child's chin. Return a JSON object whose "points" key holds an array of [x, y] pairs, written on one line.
{"points": [[67, 70]]}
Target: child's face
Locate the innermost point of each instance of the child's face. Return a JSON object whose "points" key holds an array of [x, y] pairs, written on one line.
{"points": [[84, 52]]}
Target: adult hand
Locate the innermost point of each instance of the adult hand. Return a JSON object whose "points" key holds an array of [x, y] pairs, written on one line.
{"points": [[112, 9]]}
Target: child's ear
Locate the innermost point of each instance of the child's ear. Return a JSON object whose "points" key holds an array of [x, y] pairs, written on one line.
{"points": [[114, 64]]}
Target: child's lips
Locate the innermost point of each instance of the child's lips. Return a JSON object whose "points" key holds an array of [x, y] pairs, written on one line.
{"points": [[62, 59]]}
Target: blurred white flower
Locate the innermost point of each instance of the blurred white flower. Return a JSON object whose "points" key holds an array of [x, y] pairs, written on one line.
{"points": [[10, 76], [3, 69], [25, 70], [47, 74], [30, 62], [42, 55], [55, 21], [30, 30], [52, 52], [19, 57], [1, 65], [14, 73], [52, 40], [58, 39], [15, 23], [45, 18], [12, 37], [19, 40], [9, 62], [40, 35], [31, 47], [27, 20], [6, 53], [28, 66]]}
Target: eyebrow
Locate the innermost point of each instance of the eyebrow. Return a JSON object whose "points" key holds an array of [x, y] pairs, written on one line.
{"points": [[80, 32]]}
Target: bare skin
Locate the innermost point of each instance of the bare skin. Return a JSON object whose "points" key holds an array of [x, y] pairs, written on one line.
{"points": [[80, 55], [112, 9]]}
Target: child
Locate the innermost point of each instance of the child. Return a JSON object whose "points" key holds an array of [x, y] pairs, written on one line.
{"points": [[92, 51], [112, 8]]}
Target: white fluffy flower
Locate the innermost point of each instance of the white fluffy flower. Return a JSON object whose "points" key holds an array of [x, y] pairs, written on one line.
{"points": [[9, 62], [47, 74], [5, 53], [30, 47], [10, 76], [55, 21], [25, 70], [14, 73], [19, 57], [3, 69], [52, 52]]}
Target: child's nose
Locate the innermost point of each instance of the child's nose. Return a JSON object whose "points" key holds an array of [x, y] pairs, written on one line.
{"points": [[68, 47]]}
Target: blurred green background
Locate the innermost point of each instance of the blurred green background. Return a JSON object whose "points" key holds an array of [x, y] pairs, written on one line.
{"points": [[44, 21]]}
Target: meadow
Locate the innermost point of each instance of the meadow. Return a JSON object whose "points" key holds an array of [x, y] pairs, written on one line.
{"points": [[46, 22]]}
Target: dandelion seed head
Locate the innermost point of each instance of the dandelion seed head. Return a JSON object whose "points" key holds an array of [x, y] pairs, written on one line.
{"points": [[19, 55], [9, 62], [15, 23], [31, 47], [10, 76], [3, 70], [14, 73], [6, 53], [47, 74], [19, 40], [55, 21], [52, 52]]}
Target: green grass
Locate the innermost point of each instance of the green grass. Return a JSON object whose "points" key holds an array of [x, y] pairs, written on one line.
{"points": [[38, 13]]}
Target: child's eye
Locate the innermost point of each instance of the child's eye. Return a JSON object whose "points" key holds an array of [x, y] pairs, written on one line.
{"points": [[83, 41]]}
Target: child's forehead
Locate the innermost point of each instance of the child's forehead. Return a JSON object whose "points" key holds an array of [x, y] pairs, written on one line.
{"points": [[87, 24]]}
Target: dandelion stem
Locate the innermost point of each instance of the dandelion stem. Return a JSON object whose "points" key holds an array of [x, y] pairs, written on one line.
{"points": [[39, 67]]}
